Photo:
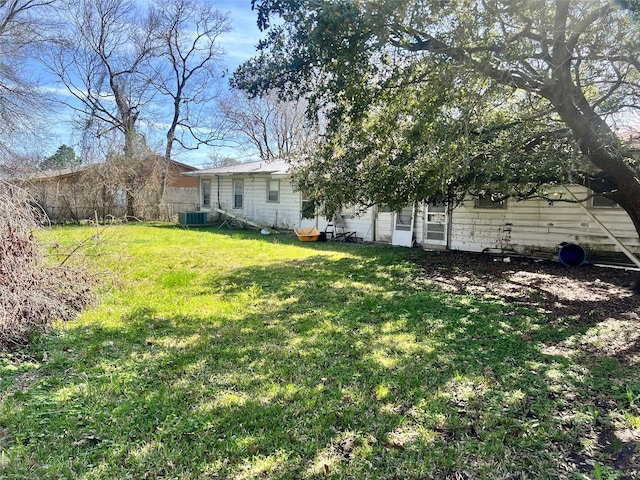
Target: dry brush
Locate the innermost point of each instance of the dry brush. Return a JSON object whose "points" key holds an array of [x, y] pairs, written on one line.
{"points": [[33, 292]]}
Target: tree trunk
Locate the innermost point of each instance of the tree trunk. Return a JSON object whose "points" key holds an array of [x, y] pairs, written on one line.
{"points": [[601, 146], [630, 201], [171, 136]]}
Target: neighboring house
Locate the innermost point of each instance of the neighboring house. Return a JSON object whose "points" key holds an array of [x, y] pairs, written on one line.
{"points": [[109, 190], [263, 193], [181, 193]]}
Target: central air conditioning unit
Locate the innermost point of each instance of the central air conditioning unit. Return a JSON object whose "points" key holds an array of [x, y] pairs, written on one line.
{"points": [[192, 218]]}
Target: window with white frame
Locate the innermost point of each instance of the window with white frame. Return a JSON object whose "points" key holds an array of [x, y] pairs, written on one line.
{"points": [[238, 194], [490, 201], [273, 190], [206, 193]]}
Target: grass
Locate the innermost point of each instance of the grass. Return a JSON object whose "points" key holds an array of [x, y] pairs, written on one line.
{"points": [[216, 354]]}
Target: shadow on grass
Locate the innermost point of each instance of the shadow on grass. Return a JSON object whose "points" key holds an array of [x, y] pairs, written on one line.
{"points": [[340, 368]]}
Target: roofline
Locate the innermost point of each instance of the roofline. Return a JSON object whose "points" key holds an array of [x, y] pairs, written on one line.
{"points": [[240, 169]]}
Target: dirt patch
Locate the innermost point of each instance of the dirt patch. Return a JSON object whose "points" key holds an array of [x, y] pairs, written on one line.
{"points": [[543, 284], [589, 294]]}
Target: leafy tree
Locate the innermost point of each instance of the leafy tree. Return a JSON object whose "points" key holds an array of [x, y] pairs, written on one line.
{"points": [[64, 157], [433, 99]]}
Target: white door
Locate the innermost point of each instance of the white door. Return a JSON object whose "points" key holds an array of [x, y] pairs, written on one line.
{"points": [[435, 224], [384, 225], [403, 227]]}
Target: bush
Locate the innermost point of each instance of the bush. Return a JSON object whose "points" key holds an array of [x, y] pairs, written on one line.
{"points": [[33, 293]]}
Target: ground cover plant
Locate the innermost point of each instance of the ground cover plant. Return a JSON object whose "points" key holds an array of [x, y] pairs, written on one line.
{"points": [[228, 354]]}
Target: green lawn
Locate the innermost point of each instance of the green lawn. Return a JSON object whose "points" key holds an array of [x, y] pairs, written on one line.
{"points": [[228, 354]]}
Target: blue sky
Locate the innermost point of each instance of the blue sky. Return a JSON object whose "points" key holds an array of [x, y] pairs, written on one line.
{"points": [[239, 45]]}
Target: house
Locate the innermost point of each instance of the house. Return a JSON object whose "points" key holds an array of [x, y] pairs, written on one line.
{"points": [[263, 193], [112, 190], [258, 191]]}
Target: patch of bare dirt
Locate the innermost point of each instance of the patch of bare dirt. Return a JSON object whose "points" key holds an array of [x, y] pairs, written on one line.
{"points": [[544, 284], [589, 294]]}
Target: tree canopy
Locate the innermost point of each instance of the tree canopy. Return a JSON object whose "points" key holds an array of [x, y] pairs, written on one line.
{"points": [[64, 157], [269, 126], [430, 100]]}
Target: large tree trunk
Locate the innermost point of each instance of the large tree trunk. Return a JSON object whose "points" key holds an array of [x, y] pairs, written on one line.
{"points": [[618, 180], [628, 197], [596, 140]]}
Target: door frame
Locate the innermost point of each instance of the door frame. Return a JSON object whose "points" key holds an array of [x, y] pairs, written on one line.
{"points": [[426, 222], [403, 237]]}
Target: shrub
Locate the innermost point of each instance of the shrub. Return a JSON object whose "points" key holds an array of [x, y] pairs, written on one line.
{"points": [[33, 293]]}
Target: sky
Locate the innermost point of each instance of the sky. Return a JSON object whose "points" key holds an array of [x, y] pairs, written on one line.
{"points": [[238, 45]]}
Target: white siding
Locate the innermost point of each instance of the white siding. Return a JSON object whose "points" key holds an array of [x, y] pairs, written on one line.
{"points": [[285, 213], [534, 226], [384, 227], [362, 224], [528, 227]]}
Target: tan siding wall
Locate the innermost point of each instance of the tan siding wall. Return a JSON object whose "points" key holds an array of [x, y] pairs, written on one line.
{"points": [[182, 198]]}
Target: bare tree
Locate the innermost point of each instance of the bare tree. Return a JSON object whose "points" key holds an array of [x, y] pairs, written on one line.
{"points": [[271, 127], [23, 24], [188, 71], [217, 160], [98, 57]]}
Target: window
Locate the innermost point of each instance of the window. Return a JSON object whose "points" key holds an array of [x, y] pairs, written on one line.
{"points": [[308, 209], [273, 191], [238, 193], [404, 219], [206, 193], [436, 221], [489, 200], [600, 201], [348, 211]]}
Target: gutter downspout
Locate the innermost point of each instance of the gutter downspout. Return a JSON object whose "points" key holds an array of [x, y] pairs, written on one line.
{"points": [[218, 177], [374, 222]]}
